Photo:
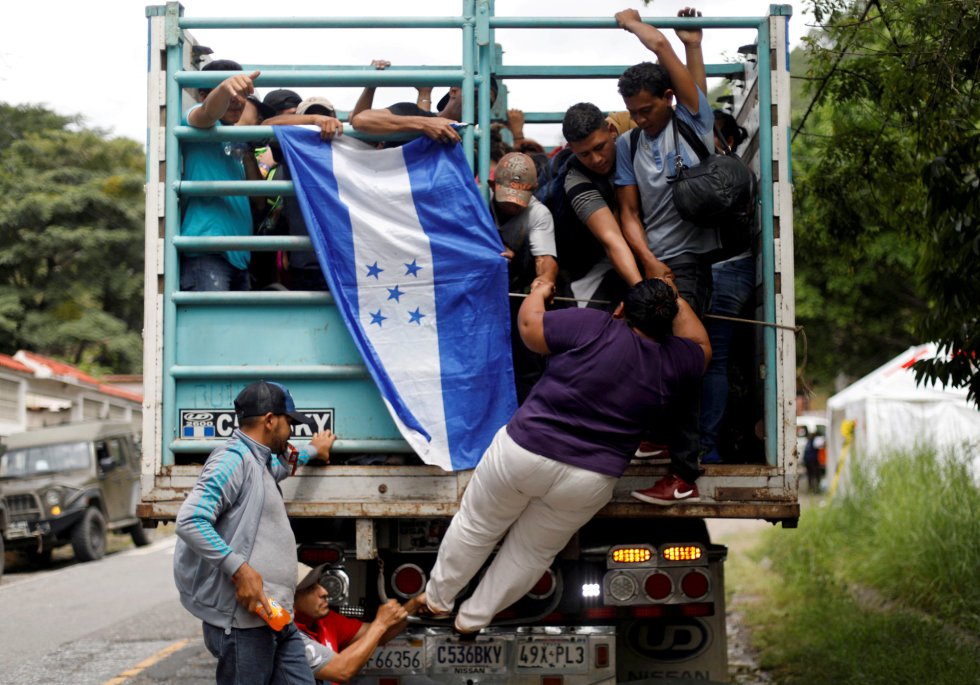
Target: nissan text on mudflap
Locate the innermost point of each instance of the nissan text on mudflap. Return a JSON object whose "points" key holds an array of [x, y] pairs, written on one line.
{"points": [[638, 594]]}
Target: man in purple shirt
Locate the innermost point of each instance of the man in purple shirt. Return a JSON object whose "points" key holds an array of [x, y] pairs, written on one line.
{"points": [[554, 465]]}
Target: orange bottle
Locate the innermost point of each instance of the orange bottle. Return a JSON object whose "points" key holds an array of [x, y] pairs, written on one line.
{"points": [[279, 619]]}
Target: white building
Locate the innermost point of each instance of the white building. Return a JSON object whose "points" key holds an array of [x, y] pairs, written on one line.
{"points": [[37, 391]]}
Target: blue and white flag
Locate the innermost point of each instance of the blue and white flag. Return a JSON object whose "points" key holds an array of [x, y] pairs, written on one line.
{"points": [[412, 257]]}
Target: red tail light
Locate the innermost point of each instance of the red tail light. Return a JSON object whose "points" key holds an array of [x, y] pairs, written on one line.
{"points": [[408, 580], [658, 585], [695, 584], [648, 611], [601, 656], [596, 613], [314, 556], [698, 609], [545, 587], [389, 681], [552, 680]]}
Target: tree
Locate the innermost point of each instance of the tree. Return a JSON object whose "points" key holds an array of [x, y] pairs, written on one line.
{"points": [[888, 182], [71, 245]]}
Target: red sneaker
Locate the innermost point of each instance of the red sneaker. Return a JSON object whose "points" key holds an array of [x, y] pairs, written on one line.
{"points": [[652, 452], [668, 490]]}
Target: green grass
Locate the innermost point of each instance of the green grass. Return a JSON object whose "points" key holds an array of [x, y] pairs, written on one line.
{"points": [[878, 586]]}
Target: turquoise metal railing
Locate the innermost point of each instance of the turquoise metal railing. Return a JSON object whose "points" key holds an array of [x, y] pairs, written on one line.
{"points": [[479, 59]]}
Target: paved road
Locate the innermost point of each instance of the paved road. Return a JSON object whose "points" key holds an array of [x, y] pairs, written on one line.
{"points": [[88, 624], [118, 622]]}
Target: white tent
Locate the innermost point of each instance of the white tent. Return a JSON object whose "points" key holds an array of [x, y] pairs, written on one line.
{"points": [[891, 413]]}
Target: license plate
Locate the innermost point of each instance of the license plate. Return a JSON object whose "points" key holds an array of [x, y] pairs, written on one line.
{"points": [[485, 655], [568, 654], [397, 656], [18, 529]]}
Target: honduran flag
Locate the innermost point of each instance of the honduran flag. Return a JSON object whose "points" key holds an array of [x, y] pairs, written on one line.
{"points": [[412, 257]]}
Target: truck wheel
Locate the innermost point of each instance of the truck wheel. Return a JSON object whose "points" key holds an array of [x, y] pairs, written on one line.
{"points": [[141, 536], [88, 536]]}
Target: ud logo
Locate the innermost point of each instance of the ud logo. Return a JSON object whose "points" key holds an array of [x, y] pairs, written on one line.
{"points": [[668, 640]]}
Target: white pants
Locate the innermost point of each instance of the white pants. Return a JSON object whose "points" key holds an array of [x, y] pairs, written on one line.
{"points": [[542, 501]]}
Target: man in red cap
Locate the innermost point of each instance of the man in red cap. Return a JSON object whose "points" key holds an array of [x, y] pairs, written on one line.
{"points": [[337, 646]]}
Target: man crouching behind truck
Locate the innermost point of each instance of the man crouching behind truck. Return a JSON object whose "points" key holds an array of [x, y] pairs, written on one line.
{"points": [[236, 550]]}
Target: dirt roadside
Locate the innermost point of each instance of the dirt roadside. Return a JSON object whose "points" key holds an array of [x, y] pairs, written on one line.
{"points": [[740, 536]]}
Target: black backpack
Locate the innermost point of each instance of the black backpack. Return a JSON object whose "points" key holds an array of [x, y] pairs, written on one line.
{"points": [[718, 194], [551, 183]]}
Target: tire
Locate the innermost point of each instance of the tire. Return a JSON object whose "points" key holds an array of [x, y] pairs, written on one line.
{"points": [[40, 559], [141, 536], [89, 535]]}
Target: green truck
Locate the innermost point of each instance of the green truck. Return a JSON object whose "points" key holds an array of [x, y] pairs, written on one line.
{"points": [[639, 593]]}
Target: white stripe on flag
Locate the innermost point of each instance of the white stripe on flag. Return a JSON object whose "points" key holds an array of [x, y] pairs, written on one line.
{"points": [[396, 298]]}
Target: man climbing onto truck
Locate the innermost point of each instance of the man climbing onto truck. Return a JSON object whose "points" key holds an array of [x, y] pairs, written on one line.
{"points": [[554, 464]]}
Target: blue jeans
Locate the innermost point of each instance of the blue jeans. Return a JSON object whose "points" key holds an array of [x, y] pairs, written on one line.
{"points": [[734, 284], [258, 655], [209, 272]]}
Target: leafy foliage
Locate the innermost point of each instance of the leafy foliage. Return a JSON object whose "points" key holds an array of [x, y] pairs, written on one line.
{"points": [[71, 245], [887, 160], [891, 561]]}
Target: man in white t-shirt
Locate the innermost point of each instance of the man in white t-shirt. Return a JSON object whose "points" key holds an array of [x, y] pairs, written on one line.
{"points": [[528, 232]]}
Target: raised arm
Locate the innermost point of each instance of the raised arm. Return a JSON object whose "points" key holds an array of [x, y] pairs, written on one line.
{"points": [[217, 101], [530, 318], [383, 122], [329, 126], [681, 81], [366, 99], [691, 38]]}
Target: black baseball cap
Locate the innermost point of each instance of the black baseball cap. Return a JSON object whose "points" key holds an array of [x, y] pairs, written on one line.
{"points": [[265, 111], [282, 98], [262, 397]]}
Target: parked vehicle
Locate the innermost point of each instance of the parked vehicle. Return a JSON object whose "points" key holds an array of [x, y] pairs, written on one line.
{"points": [[70, 484], [639, 592]]}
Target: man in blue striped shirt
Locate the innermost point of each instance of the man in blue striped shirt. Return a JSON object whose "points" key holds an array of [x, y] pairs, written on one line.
{"points": [[236, 551]]}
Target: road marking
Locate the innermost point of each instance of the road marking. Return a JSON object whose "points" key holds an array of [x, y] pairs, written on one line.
{"points": [[163, 543], [146, 663]]}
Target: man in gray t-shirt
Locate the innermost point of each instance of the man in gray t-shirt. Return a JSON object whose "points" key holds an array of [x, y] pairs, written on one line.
{"points": [[236, 552], [645, 161], [660, 239]]}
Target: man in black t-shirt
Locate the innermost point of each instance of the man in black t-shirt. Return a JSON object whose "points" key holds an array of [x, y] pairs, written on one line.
{"points": [[595, 260]]}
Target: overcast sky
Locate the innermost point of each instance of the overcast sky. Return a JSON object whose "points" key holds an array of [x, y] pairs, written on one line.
{"points": [[90, 58]]}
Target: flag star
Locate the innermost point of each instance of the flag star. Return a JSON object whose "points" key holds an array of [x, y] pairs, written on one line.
{"points": [[412, 269], [395, 293], [374, 270], [415, 317], [377, 318]]}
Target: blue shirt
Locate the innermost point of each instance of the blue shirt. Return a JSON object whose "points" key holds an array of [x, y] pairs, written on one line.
{"points": [[668, 235], [214, 215]]}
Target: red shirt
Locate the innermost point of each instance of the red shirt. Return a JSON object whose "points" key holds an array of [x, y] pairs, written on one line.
{"points": [[333, 629]]}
